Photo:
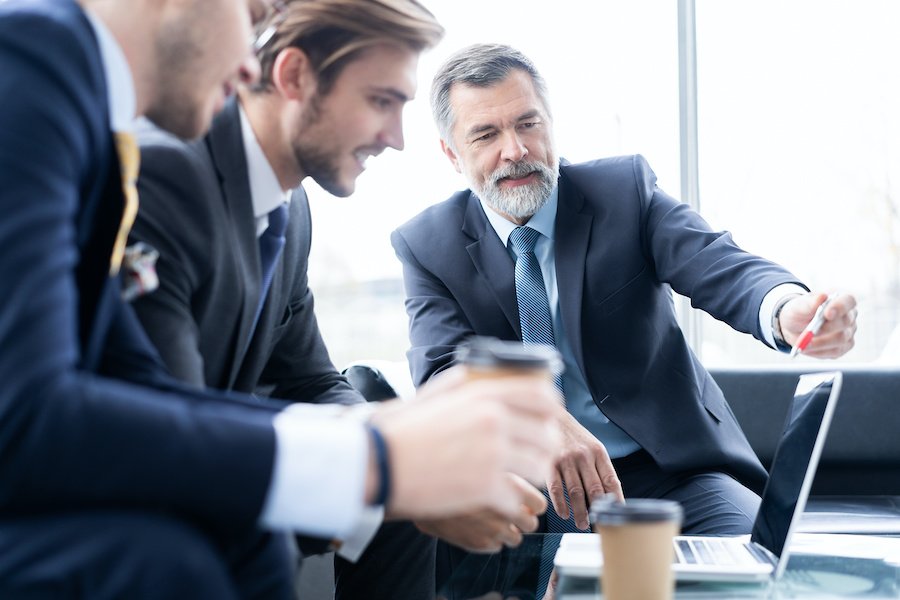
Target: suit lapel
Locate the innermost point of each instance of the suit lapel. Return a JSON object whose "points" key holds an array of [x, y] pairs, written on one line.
{"points": [[98, 221], [226, 148], [96, 288], [492, 260], [573, 232]]}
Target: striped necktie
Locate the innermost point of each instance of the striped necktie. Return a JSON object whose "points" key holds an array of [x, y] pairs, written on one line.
{"points": [[536, 324], [129, 164]]}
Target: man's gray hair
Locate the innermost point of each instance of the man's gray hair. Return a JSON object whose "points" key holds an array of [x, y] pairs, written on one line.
{"points": [[479, 65]]}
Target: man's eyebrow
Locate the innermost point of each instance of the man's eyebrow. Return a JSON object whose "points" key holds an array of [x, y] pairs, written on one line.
{"points": [[481, 128], [391, 91], [531, 114]]}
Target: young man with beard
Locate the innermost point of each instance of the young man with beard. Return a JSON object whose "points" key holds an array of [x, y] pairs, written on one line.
{"points": [[602, 245], [116, 480], [336, 75]]}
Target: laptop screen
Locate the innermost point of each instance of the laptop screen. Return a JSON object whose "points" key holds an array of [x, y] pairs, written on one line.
{"points": [[794, 465]]}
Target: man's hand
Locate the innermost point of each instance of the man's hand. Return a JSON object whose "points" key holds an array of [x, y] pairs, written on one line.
{"points": [[835, 338], [487, 530], [452, 448], [586, 469]]}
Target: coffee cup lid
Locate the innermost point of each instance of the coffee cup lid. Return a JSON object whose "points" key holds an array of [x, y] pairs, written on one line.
{"points": [[483, 351], [609, 511]]}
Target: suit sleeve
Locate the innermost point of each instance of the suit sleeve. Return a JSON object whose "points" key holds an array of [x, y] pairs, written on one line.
{"points": [[437, 323], [300, 368], [702, 264], [172, 191]]}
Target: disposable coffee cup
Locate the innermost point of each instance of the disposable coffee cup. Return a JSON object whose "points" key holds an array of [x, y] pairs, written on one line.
{"points": [[636, 542], [487, 357]]}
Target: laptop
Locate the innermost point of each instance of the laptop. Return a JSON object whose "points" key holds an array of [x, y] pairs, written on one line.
{"points": [[765, 554]]}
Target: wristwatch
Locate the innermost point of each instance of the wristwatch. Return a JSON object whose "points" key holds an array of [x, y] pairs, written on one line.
{"points": [[780, 344]]}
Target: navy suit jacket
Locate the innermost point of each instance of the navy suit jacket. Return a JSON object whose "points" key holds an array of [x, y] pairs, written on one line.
{"points": [[88, 416], [197, 211], [620, 243]]}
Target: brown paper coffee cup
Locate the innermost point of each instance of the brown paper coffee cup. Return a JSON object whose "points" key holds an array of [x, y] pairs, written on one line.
{"points": [[636, 542], [486, 357]]}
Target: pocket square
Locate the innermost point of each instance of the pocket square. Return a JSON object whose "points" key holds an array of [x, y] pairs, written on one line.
{"points": [[139, 271]]}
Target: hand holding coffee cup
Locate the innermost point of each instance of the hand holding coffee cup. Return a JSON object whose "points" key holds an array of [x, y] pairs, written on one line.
{"points": [[488, 361], [477, 429]]}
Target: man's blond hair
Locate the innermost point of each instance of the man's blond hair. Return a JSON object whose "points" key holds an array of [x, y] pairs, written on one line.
{"points": [[333, 33]]}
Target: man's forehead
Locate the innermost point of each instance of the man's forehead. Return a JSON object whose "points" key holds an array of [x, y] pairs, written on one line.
{"points": [[509, 98], [389, 68]]}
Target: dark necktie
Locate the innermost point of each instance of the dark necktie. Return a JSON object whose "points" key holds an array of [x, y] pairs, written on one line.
{"points": [[536, 324], [271, 243]]}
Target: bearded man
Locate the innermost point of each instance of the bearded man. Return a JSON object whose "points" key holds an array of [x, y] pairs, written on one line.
{"points": [[585, 257]]}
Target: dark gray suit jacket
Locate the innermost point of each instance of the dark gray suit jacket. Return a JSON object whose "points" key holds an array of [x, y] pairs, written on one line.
{"points": [[196, 210], [620, 243]]}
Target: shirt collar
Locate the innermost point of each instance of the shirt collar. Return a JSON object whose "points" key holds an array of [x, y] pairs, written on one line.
{"points": [[119, 81], [265, 191], [544, 220]]}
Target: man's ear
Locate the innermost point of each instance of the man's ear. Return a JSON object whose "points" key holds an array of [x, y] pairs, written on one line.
{"points": [[448, 151], [292, 75]]}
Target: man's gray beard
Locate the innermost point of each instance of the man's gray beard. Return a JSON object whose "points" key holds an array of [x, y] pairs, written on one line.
{"points": [[523, 201]]}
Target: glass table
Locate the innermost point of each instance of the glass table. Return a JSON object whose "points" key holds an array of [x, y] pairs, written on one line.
{"points": [[523, 573]]}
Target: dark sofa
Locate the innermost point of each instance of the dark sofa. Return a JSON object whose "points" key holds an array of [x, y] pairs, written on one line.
{"points": [[862, 451], [857, 484]]}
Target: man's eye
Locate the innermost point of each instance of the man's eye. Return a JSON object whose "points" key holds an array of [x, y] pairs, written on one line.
{"points": [[381, 102], [485, 137]]}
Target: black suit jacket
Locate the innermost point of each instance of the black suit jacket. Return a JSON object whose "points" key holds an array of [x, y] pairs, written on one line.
{"points": [[88, 417], [197, 211], [620, 242]]}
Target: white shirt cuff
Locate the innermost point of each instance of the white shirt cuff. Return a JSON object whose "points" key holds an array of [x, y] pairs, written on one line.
{"points": [[768, 307], [355, 544], [318, 479]]}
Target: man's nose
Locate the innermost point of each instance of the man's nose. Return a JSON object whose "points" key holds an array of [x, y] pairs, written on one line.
{"points": [[513, 148], [392, 134]]}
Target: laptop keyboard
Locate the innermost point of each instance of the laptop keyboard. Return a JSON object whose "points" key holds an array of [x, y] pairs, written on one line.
{"points": [[716, 552]]}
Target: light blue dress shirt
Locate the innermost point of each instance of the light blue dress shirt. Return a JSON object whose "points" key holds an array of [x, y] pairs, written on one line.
{"points": [[579, 401]]}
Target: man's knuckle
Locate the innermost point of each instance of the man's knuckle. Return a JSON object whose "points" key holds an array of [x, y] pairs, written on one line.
{"points": [[576, 491], [597, 490], [555, 488], [611, 481]]}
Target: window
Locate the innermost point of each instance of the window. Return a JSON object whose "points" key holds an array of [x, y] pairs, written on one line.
{"points": [[799, 148], [612, 72]]}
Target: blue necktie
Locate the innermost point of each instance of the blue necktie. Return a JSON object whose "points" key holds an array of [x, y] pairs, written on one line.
{"points": [[536, 324], [271, 243]]}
